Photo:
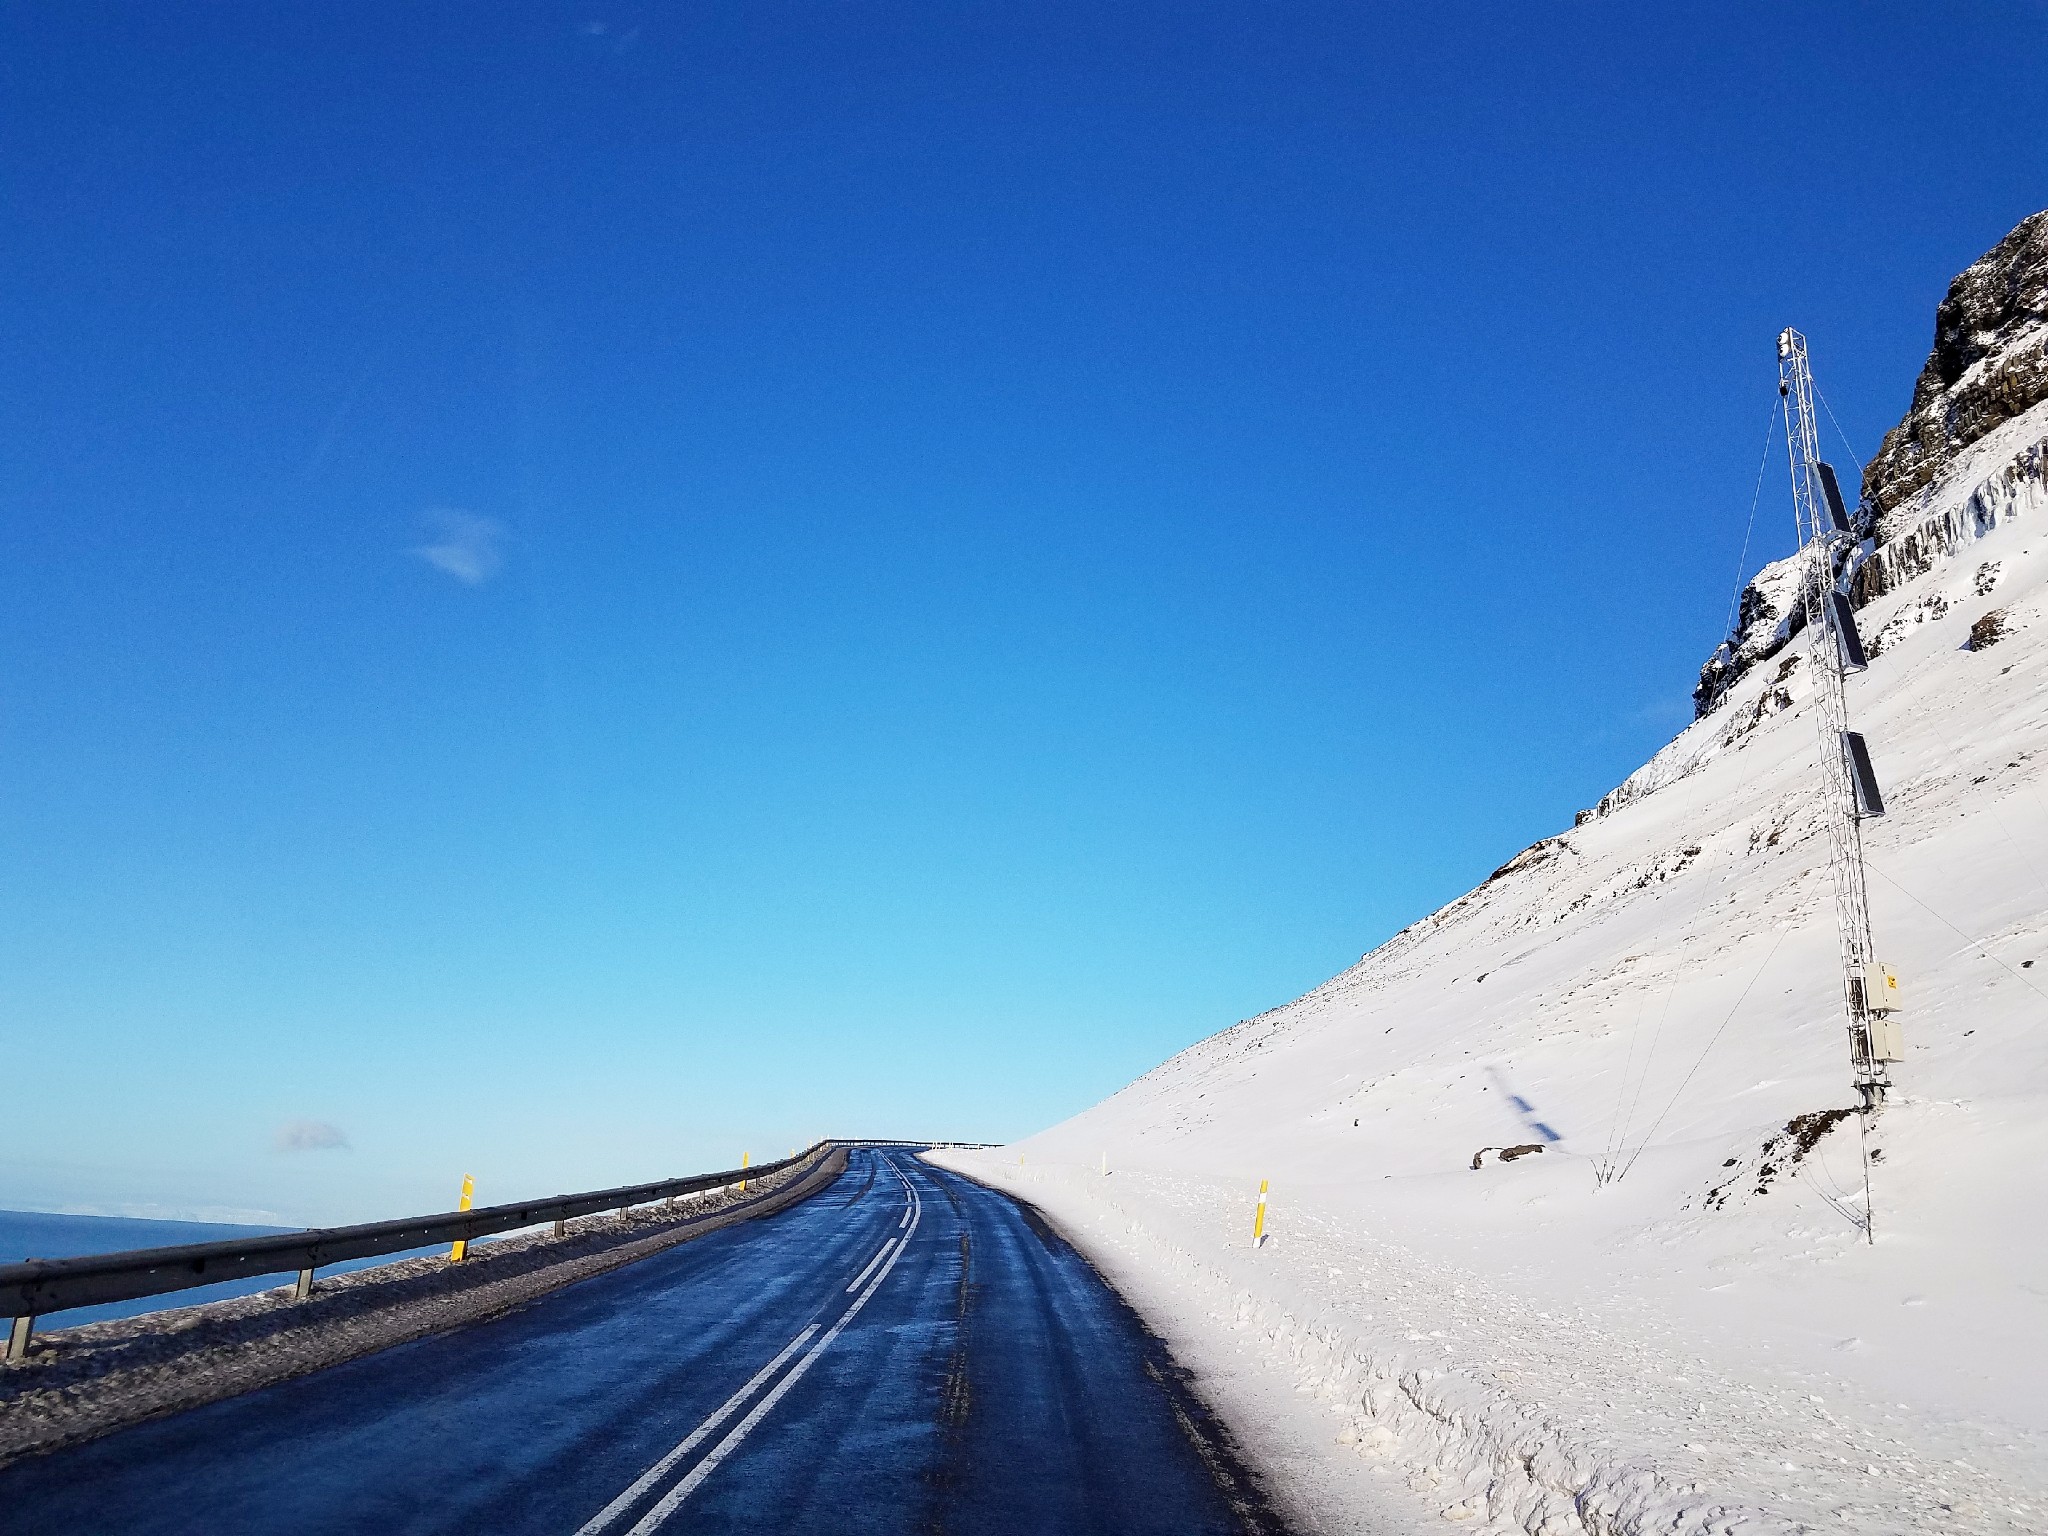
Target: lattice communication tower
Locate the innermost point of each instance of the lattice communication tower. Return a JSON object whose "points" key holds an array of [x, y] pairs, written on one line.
{"points": [[1848, 785]]}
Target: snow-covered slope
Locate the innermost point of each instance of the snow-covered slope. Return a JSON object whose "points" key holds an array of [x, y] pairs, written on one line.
{"points": [[1668, 1319]]}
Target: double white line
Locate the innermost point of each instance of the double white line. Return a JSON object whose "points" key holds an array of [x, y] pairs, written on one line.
{"points": [[879, 1256], [671, 1501]]}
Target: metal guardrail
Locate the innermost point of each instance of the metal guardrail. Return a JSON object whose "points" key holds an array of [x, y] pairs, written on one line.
{"points": [[41, 1286]]}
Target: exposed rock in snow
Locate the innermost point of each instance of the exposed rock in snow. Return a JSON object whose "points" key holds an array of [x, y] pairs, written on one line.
{"points": [[1989, 364], [1979, 411], [1988, 631], [1771, 613], [2009, 471]]}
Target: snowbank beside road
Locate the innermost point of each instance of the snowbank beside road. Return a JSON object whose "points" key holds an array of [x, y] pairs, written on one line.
{"points": [[1668, 1319], [1393, 1384]]}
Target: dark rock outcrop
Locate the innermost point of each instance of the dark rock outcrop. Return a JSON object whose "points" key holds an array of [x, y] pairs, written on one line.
{"points": [[1772, 611], [1989, 363], [1988, 631], [1913, 541]]}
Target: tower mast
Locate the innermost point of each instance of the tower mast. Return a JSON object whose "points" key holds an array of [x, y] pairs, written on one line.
{"points": [[1848, 786]]}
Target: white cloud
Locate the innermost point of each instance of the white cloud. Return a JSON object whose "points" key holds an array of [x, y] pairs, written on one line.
{"points": [[310, 1136], [465, 546]]}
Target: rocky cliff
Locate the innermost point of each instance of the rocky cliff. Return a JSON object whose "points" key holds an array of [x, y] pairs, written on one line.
{"points": [[1988, 370], [1989, 365]]}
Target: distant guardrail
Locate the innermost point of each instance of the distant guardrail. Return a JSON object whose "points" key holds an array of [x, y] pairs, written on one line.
{"points": [[39, 1287]]}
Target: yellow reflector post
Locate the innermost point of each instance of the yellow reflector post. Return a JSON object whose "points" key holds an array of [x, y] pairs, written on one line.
{"points": [[462, 1243]]}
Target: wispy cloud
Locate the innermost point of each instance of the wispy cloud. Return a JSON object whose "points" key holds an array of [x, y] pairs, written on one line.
{"points": [[310, 1136], [465, 545], [1666, 714], [610, 36]]}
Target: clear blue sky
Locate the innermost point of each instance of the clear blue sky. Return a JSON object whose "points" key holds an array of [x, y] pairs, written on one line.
{"points": [[588, 587]]}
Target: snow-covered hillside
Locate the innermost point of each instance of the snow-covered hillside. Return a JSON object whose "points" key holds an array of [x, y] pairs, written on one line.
{"points": [[1668, 1319]]}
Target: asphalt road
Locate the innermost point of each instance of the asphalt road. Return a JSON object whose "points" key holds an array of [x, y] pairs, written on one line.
{"points": [[904, 1352]]}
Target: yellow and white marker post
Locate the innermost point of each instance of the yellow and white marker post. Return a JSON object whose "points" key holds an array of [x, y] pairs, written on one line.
{"points": [[745, 1158], [462, 1243], [1259, 1219]]}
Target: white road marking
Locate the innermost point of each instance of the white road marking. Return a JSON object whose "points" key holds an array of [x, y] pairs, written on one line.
{"points": [[692, 1440], [881, 1255], [905, 1221], [673, 1499]]}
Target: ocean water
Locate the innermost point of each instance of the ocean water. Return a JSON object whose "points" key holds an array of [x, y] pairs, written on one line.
{"points": [[39, 1235]]}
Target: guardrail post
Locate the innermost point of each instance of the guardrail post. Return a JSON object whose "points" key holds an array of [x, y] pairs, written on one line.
{"points": [[17, 1339], [561, 1226], [304, 1288]]}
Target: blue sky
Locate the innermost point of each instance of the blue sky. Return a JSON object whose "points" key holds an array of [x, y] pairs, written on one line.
{"points": [[589, 587]]}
